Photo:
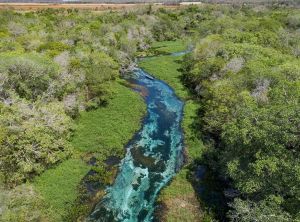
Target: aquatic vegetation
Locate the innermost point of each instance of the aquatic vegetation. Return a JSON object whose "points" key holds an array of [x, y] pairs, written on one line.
{"points": [[152, 157]]}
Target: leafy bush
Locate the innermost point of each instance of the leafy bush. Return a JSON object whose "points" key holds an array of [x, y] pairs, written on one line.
{"points": [[32, 139], [249, 92], [99, 69], [20, 204], [28, 75], [293, 21]]}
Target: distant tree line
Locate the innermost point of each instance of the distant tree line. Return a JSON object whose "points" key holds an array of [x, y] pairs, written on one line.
{"points": [[96, 1], [255, 2], [280, 2]]}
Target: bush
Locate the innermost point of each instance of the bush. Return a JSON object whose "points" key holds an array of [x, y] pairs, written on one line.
{"points": [[20, 204], [28, 75], [247, 80], [32, 139]]}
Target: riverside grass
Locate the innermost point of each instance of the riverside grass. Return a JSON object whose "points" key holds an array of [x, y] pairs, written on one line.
{"points": [[165, 68], [109, 128], [58, 186], [103, 132]]}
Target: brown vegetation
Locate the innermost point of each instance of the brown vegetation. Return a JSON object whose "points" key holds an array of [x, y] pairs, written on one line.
{"points": [[183, 208], [95, 7], [38, 6]]}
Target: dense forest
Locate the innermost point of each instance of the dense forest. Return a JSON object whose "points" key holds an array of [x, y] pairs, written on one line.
{"points": [[245, 74], [63, 102]]}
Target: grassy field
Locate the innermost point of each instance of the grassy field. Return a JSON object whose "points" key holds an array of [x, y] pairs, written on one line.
{"points": [[166, 68], [178, 199], [167, 47], [58, 186], [85, 6], [103, 132], [109, 128]]}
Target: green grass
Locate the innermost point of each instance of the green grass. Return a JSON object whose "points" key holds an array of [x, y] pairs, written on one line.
{"points": [[180, 189], [179, 186], [195, 146], [108, 129], [164, 48], [166, 69], [180, 200], [104, 132], [58, 186]]}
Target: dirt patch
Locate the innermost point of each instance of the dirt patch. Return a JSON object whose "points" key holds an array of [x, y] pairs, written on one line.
{"points": [[182, 209]]}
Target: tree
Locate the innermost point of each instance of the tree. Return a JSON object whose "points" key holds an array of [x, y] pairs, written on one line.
{"points": [[265, 211]]}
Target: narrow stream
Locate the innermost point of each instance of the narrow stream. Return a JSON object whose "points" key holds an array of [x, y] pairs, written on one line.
{"points": [[152, 159]]}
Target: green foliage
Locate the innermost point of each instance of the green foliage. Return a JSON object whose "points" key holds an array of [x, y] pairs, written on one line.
{"points": [[97, 90], [32, 139], [105, 130], [53, 48], [58, 186], [247, 211], [166, 68], [293, 21], [29, 75], [22, 204], [247, 80], [167, 27]]}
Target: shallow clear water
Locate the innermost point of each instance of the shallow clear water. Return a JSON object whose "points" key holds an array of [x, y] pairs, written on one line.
{"points": [[153, 156]]}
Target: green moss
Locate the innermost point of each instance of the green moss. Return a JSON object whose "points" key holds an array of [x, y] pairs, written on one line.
{"points": [[180, 189], [103, 132], [166, 69], [106, 130], [179, 186], [169, 46], [58, 186], [180, 200]]}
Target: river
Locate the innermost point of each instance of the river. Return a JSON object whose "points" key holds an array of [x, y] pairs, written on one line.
{"points": [[153, 155]]}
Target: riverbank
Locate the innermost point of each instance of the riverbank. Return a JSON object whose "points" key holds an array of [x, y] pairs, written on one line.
{"points": [[178, 201], [98, 135], [102, 133]]}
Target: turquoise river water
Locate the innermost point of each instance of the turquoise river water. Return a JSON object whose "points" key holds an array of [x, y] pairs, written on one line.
{"points": [[152, 159]]}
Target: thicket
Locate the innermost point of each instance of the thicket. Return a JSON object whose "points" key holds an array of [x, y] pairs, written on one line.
{"points": [[245, 73]]}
